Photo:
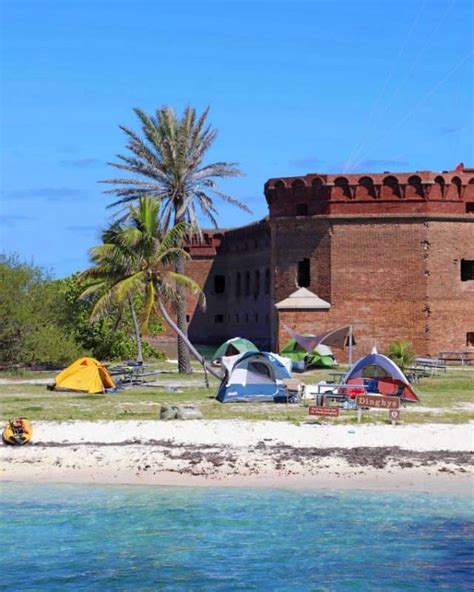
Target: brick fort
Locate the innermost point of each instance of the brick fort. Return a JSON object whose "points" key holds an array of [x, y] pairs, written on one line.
{"points": [[391, 253]]}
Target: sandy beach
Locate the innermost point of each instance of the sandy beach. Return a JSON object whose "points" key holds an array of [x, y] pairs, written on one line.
{"points": [[429, 457]]}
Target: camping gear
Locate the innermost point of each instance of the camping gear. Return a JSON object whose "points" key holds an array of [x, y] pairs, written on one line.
{"points": [[379, 374], [254, 377], [86, 375], [233, 347], [17, 432], [180, 412], [321, 356]]}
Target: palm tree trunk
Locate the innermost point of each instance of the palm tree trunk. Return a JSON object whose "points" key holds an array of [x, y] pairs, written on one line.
{"points": [[190, 347], [138, 337], [184, 360]]}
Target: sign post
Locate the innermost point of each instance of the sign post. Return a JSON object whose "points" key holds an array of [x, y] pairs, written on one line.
{"points": [[378, 402], [394, 415]]}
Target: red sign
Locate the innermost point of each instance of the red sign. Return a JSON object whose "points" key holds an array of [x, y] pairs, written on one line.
{"points": [[327, 411], [378, 402]]}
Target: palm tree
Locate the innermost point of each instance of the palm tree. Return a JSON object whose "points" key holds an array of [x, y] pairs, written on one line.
{"points": [[167, 162], [138, 259], [112, 261], [401, 352]]}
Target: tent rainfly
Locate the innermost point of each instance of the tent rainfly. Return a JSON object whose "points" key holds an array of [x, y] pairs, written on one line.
{"points": [[234, 347], [321, 355], [86, 375], [381, 375]]}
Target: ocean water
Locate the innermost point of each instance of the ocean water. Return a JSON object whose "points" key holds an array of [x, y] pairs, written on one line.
{"points": [[115, 538]]}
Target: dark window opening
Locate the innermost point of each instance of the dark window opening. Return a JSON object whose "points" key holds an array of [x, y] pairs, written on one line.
{"points": [[187, 318], [247, 283], [256, 288], [267, 281], [470, 338], [467, 270], [219, 318], [238, 285], [304, 275], [219, 284], [302, 209], [470, 207]]}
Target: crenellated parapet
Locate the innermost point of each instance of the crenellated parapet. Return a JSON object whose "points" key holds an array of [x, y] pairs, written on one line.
{"points": [[244, 238], [205, 244], [449, 192]]}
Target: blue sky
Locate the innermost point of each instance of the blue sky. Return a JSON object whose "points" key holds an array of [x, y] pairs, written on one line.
{"points": [[294, 86]]}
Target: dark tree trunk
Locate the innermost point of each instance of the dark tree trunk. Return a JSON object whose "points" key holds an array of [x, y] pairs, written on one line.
{"points": [[138, 336], [189, 346], [184, 360]]}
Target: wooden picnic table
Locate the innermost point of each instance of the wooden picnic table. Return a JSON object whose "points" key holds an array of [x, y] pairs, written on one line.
{"points": [[132, 373], [415, 374], [464, 356], [430, 364]]}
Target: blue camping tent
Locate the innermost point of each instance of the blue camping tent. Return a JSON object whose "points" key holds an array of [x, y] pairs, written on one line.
{"points": [[254, 377]]}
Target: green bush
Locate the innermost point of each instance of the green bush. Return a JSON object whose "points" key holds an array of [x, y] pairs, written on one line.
{"points": [[401, 352], [43, 321], [29, 331]]}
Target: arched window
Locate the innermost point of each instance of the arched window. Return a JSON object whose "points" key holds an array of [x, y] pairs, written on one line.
{"points": [[279, 188], [298, 186], [456, 181], [366, 188], [414, 187], [343, 187], [317, 187], [391, 187], [438, 188]]}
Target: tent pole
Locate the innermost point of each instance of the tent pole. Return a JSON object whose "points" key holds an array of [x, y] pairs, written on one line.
{"points": [[350, 345]]}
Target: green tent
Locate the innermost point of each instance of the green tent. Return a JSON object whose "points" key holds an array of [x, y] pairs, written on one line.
{"points": [[321, 356], [234, 346]]}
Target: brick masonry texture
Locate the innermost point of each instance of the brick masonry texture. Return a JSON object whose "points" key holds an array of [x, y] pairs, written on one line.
{"points": [[384, 250]]}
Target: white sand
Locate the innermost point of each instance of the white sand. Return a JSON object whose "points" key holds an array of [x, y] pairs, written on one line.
{"points": [[239, 433], [242, 453]]}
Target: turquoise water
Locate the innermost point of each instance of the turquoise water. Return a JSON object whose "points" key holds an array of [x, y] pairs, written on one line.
{"points": [[111, 538]]}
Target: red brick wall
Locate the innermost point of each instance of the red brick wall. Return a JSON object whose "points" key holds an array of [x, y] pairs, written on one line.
{"points": [[244, 250], [450, 300], [370, 267], [399, 278]]}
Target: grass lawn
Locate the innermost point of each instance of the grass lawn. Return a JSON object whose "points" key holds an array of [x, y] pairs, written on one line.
{"points": [[446, 398]]}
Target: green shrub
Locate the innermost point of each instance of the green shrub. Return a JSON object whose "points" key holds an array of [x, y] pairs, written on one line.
{"points": [[401, 352]]}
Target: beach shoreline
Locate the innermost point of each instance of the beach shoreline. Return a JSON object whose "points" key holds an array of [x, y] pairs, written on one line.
{"points": [[234, 453]]}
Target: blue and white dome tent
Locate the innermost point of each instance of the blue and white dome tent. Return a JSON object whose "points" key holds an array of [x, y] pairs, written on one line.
{"points": [[254, 377]]}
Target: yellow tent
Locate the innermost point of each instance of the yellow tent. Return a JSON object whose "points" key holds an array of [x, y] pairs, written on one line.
{"points": [[87, 375]]}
